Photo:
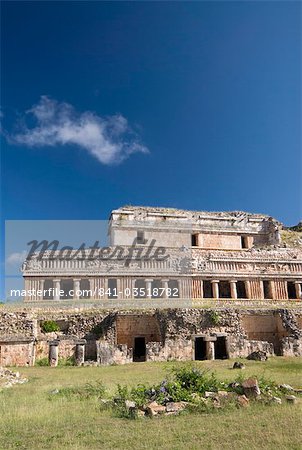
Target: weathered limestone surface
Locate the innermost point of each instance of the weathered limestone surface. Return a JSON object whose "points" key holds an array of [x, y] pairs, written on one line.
{"points": [[168, 334]]}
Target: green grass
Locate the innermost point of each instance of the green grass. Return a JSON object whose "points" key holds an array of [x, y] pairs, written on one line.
{"points": [[32, 419]]}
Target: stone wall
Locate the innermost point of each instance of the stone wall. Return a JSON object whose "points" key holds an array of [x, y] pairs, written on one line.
{"points": [[169, 334], [17, 352], [129, 326]]}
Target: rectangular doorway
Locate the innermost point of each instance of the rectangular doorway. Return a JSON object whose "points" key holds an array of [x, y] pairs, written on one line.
{"points": [[139, 349], [220, 348], [200, 349]]}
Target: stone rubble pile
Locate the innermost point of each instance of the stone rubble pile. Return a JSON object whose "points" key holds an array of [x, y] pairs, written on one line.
{"points": [[8, 378], [220, 399]]}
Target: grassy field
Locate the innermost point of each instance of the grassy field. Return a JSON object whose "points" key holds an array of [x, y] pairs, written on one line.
{"points": [[31, 420]]}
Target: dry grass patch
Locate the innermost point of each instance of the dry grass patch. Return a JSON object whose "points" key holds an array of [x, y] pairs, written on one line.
{"points": [[29, 420]]}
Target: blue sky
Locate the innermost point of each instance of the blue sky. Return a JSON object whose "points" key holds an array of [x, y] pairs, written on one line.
{"points": [[211, 92]]}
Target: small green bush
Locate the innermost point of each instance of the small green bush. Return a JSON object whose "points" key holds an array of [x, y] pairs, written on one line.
{"points": [[63, 362], [42, 362], [49, 326], [214, 317], [193, 379]]}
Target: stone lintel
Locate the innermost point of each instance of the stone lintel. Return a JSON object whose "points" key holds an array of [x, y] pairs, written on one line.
{"points": [[54, 342], [210, 338]]}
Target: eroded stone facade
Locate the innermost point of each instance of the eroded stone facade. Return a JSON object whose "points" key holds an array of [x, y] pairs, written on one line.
{"points": [[205, 255], [227, 257], [120, 337]]}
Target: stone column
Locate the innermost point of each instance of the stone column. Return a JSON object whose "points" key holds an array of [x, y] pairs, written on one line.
{"points": [[298, 289], [248, 289], [199, 240], [27, 287], [210, 347], [57, 287], [148, 287], [92, 287], [105, 297], [119, 289], [165, 282], [80, 352], [201, 288], [233, 287], [215, 288], [41, 288], [76, 287], [53, 355]]}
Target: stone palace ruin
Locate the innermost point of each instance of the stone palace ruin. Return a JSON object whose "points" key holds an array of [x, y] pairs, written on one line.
{"points": [[207, 255], [148, 296]]}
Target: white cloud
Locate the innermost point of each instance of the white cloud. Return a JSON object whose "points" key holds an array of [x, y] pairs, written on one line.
{"points": [[110, 139], [16, 258]]}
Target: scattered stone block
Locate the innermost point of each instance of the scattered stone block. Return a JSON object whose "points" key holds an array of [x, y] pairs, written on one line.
{"points": [[276, 400], [291, 399], [129, 404], [250, 387], [243, 401], [223, 394], [286, 387], [154, 408], [258, 356], [208, 394], [238, 365], [175, 407], [8, 378]]}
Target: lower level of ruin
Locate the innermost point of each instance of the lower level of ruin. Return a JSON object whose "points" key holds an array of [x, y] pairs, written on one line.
{"points": [[106, 337]]}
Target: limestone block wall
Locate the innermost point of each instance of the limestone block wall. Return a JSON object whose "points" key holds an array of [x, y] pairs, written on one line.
{"points": [[291, 346], [241, 347], [17, 353], [17, 323], [176, 349], [169, 334], [127, 327], [222, 241], [265, 327], [111, 354], [66, 349], [187, 322]]}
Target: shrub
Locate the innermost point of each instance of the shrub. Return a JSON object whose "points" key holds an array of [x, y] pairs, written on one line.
{"points": [[49, 326], [63, 362], [42, 362], [193, 379], [214, 317]]}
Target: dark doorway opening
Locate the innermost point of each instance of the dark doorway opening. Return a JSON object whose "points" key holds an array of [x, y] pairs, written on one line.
{"points": [[291, 290], [194, 240], [207, 289], [156, 291], [112, 288], [85, 288], [224, 289], [139, 350], [140, 286], [266, 289], [241, 291], [91, 350], [220, 348], [200, 349], [66, 287], [48, 295], [174, 286], [244, 242]]}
